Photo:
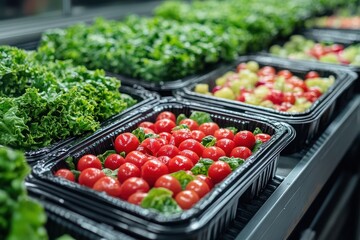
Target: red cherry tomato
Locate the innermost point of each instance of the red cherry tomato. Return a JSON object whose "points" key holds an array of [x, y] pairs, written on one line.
{"points": [[164, 159], [109, 185], [152, 170], [193, 145], [169, 182], [148, 130], [89, 161], [240, 67], [241, 152], [137, 158], [297, 82], [336, 48], [144, 150], [164, 125], [193, 125], [126, 142], [149, 125], [168, 150], [316, 90], [198, 135], [186, 199], [263, 137], [136, 198], [181, 135], [65, 173], [166, 136], [311, 96], [89, 176], [244, 138], [213, 153], [289, 98], [190, 154], [128, 170], [223, 133], [218, 171], [275, 96], [266, 71], [114, 161], [226, 145], [200, 187], [166, 115], [205, 179], [152, 144], [178, 163], [312, 74], [285, 73], [133, 185], [208, 128]]}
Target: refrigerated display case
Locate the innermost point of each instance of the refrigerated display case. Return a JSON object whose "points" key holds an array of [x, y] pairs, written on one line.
{"points": [[313, 190]]}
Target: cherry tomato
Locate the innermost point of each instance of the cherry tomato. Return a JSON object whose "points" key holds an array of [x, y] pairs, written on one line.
{"points": [[200, 187], [213, 153], [178, 163], [152, 170], [166, 115], [89, 161], [226, 145], [285, 73], [240, 67], [193, 145], [162, 141], [289, 98], [65, 173], [166, 136], [128, 170], [148, 130], [275, 96], [205, 179], [263, 137], [193, 125], [133, 185], [311, 96], [137, 158], [241, 152], [223, 133], [169, 182], [297, 82], [164, 159], [147, 125], [89, 176], [109, 185], [208, 128], [312, 74], [151, 144], [336, 48], [126, 142], [197, 135], [168, 150], [266, 70], [136, 198], [114, 161], [164, 125], [245, 138], [186, 199], [218, 171], [151, 157], [181, 135], [191, 155], [143, 149], [316, 90]]}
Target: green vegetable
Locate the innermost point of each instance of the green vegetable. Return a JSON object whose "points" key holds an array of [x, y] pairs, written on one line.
{"points": [[257, 131], [183, 178], [202, 166], [110, 173], [200, 117], [160, 199], [20, 217], [103, 156], [180, 118], [233, 129], [139, 133], [181, 126], [257, 145], [234, 163], [208, 141]]}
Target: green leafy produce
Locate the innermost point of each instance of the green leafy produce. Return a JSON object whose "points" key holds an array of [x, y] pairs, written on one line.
{"points": [[202, 166], [160, 199], [257, 145], [45, 102], [233, 162], [200, 117], [208, 141], [183, 178], [152, 49], [20, 217]]}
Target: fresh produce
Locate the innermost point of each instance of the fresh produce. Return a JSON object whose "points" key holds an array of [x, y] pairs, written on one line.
{"points": [[167, 169], [346, 18], [20, 216], [152, 49], [298, 47], [45, 102], [280, 90]]}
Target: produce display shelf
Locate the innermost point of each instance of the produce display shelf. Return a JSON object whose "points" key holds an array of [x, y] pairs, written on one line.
{"points": [[304, 174]]}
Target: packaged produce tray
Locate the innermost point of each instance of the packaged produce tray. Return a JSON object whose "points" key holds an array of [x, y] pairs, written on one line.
{"points": [[308, 124], [143, 98], [207, 218]]}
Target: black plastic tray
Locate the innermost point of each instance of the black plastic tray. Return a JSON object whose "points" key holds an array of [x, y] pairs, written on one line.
{"points": [[209, 217], [308, 124], [143, 97]]}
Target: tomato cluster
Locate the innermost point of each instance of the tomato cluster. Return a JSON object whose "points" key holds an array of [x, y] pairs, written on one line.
{"points": [[187, 158]]}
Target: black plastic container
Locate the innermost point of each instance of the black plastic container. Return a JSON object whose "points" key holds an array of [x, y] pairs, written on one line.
{"points": [[143, 98], [308, 124], [208, 218]]}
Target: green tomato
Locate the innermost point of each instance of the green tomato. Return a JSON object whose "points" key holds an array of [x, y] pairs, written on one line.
{"points": [[225, 92], [252, 66], [201, 88]]}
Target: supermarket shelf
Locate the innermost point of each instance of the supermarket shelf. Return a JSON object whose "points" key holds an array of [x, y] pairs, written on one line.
{"points": [[282, 211]]}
